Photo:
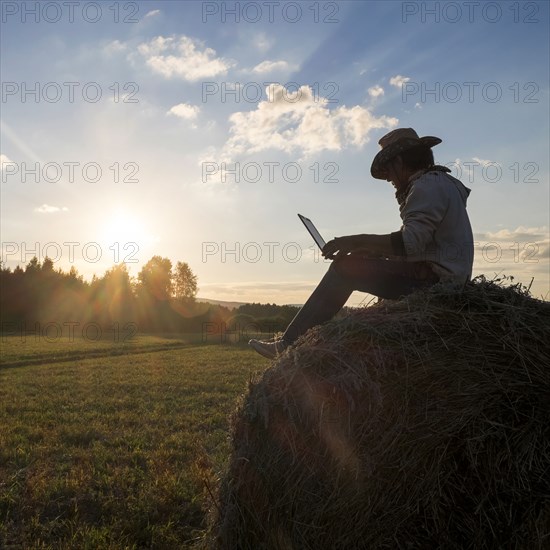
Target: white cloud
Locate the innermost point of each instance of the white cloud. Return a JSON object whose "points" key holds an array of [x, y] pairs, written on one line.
{"points": [[376, 91], [4, 160], [289, 292], [115, 46], [262, 42], [184, 110], [152, 13], [523, 252], [300, 121], [398, 80], [47, 209], [183, 57], [270, 66], [483, 162], [467, 171], [521, 233]]}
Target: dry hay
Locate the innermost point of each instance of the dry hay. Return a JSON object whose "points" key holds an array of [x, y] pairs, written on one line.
{"points": [[420, 423]]}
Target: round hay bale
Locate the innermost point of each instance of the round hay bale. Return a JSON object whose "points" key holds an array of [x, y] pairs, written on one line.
{"points": [[420, 423]]}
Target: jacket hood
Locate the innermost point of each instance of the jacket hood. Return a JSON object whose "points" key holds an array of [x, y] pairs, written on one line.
{"points": [[462, 189]]}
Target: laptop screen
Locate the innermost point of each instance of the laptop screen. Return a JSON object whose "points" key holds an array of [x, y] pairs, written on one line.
{"points": [[313, 231]]}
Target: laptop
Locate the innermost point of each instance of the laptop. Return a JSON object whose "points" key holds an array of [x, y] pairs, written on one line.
{"points": [[313, 231]]}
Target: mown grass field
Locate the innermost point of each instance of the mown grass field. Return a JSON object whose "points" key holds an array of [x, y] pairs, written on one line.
{"points": [[114, 444]]}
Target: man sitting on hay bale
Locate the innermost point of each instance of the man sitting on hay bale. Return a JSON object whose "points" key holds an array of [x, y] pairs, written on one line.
{"points": [[435, 242]]}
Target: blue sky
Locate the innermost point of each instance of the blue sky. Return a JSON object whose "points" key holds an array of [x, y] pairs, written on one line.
{"points": [[145, 107]]}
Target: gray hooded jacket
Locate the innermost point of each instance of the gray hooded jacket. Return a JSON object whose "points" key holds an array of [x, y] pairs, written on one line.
{"points": [[436, 227]]}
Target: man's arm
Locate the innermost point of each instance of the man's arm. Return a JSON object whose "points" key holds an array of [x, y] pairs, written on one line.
{"points": [[375, 245]]}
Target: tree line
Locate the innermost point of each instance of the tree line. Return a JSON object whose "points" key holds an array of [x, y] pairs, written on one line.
{"points": [[162, 298]]}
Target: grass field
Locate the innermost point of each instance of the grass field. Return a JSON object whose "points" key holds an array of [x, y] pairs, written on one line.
{"points": [[113, 444]]}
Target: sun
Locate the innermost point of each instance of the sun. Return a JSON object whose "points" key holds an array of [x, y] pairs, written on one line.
{"points": [[124, 227]]}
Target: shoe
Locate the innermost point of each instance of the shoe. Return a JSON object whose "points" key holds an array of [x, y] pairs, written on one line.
{"points": [[268, 349]]}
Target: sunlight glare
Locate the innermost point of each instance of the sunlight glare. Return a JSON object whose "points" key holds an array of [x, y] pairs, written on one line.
{"points": [[123, 227]]}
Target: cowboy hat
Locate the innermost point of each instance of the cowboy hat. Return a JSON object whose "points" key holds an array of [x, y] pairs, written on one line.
{"points": [[393, 144]]}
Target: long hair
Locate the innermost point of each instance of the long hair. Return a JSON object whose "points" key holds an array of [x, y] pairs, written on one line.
{"points": [[418, 157]]}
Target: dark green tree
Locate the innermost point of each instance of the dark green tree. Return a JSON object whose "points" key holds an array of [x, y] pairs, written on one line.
{"points": [[185, 282], [155, 278]]}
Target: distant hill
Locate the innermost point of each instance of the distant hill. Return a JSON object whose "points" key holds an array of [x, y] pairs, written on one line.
{"points": [[232, 305], [229, 305]]}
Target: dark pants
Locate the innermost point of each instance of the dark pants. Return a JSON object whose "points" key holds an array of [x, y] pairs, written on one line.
{"points": [[384, 278]]}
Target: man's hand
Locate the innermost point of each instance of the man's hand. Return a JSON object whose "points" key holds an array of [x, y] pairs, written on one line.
{"points": [[368, 245], [340, 246]]}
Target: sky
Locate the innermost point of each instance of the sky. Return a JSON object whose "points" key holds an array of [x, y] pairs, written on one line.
{"points": [[198, 130]]}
